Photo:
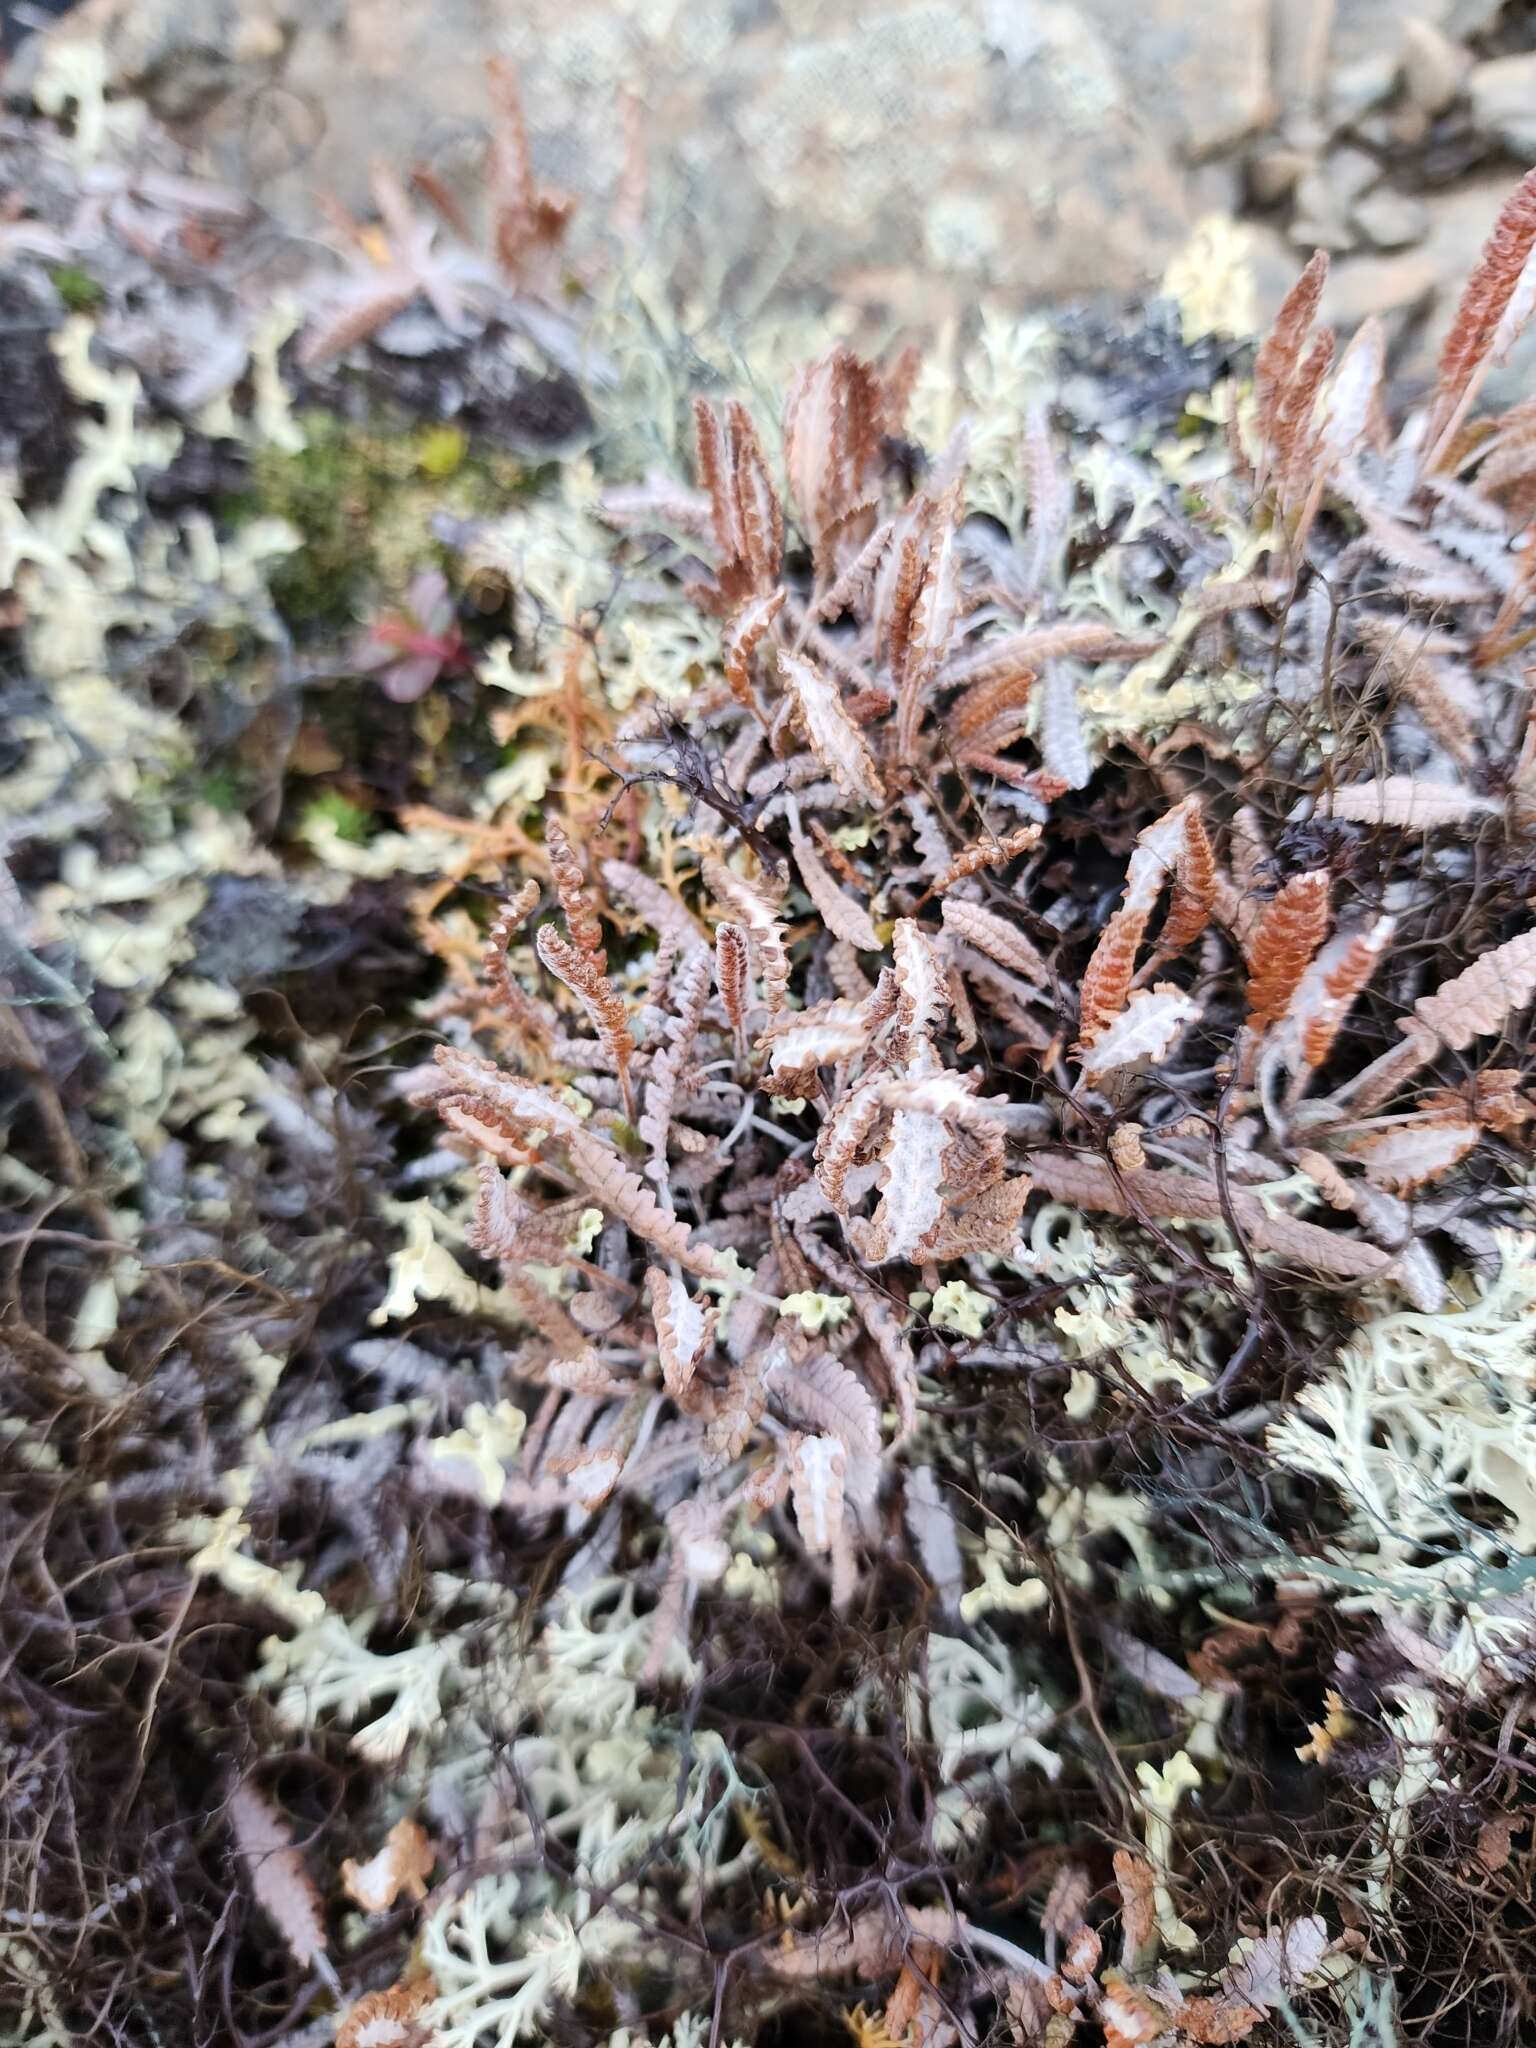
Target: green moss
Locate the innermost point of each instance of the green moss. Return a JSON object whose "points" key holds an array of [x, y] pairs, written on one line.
{"points": [[363, 499], [223, 790], [76, 287], [442, 451], [350, 820], [330, 491]]}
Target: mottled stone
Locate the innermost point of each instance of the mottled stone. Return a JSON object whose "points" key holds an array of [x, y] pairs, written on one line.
{"points": [[1327, 196], [1373, 28], [905, 155], [1391, 220], [1275, 171], [1355, 88], [1434, 68], [1201, 74], [915, 149], [1385, 285], [1417, 291], [1503, 95]]}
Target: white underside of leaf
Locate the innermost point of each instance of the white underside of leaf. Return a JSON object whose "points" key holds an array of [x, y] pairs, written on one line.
{"points": [[1145, 1029], [1405, 1158], [821, 1042], [912, 1198], [835, 740], [816, 1482], [1478, 1001], [1405, 800]]}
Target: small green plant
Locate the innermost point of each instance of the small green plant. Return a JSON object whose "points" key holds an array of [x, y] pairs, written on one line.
{"points": [[338, 816], [78, 290]]}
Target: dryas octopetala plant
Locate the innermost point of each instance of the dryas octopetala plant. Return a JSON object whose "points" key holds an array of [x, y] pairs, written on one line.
{"points": [[816, 1048]]}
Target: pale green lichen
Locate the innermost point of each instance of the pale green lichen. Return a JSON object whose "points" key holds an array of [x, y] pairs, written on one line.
{"points": [[481, 1448], [959, 1307], [1161, 1790], [422, 1268], [999, 1592], [1211, 282], [1425, 1418], [816, 1312]]}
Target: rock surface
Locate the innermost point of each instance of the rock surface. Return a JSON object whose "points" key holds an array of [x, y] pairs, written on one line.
{"points": [[1503, 94], [905, 156]]}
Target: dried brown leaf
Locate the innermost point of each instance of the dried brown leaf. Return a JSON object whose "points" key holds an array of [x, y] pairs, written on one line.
{"points": [[388, 2019], [1415, 1151], [613, 1187], [974, 925], [1284, 943], [1480, 1000], [1159, 1195], [834, 738], [842, 914], [402, 1864], [748, 906], [281, 1884], [1493, 291], [582, 973]]}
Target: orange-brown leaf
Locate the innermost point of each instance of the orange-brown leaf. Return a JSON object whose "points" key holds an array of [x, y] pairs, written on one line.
{"points": [[1217, 2021], [526, 1016], [387, 2019], [731, 975], [759, 517], [1289, 933], [1137, 1886], [741, 640], [1107, 977], [1295, 440], [1194, 888], [749, 907], [991, 712], [403, 1864], [586, 926], [1483, 305], [1341, 979], [583, 974], [1281, 351]]}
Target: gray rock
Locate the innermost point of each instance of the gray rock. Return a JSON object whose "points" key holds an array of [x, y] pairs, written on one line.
{"points": [[1333, 232], [1397, 290], [1373, 28], [1201, 75], [1434, 68], [1503, 95], [183, 55], [1350, 174], [1326, 199], [1302, 30], [1470, 17], [1391, 220], [1275, 170], [1366, 82], [902, 154], [1399, 127]]}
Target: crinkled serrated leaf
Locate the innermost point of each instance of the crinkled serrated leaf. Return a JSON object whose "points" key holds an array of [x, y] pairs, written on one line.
{"points": [[1146, 1029]]}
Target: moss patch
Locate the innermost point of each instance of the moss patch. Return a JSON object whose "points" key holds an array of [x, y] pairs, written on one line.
{"points": [[364, 499]]}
